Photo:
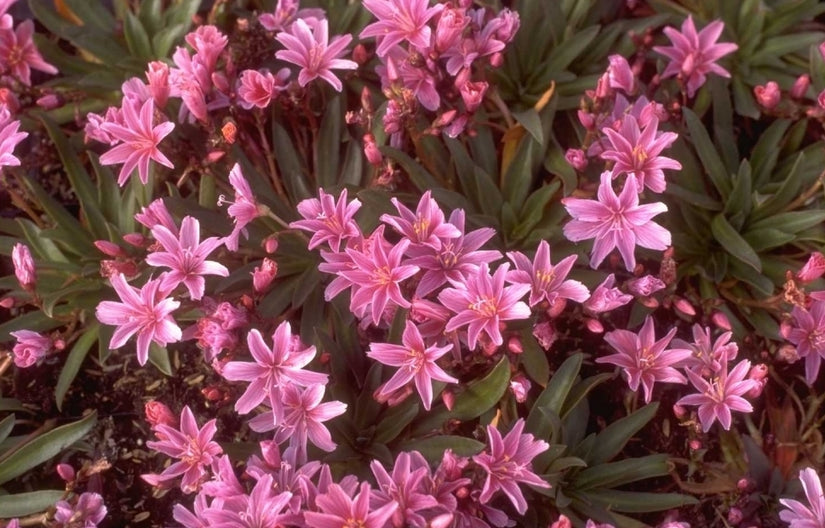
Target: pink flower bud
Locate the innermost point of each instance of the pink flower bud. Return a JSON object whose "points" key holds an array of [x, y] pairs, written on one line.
{"points": [[445, 118], [562, 522], [271, 244], [135, 239], [8, 98], [721, 321], [594, 325], [735, 516], [448, 398], [371, 151], [556, 307], [23, 266], [215, 155], [744, 484], [7, 302], [587, 120], [66, 472], [684, 306], [158, 413], [496, 59], [619, 74], [603, 90], [813, 269], [800, 86], [679, 412], [158, 76], [441, 521], [264, 274], [109, 248], [768, 96], [821, 99], [695, 445], [451, 24], [576, 158], [49, 102], [514, 345], [520, 386], [360, 54], [473, 93]]}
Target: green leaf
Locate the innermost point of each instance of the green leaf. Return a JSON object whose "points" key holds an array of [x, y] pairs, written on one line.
{"points": [[533, 210], [765, 153], [419, 176], [479, 397], [77, 238], [531, 122], [164, 39], [136, 37], [777, 46], [34, 321], [553, 396], [565, 53], [639, 502], [289, 165], [6, 425], [739, 200], [159, 357], [733, 243], [615, 474], [788, 191], [693, 198], [580, 391], [519, 176], [94, 15], [73, 362], [43, 448], [28, 503], [714, 167], [612, 439], [327, 148], [395, 420], [534, 358], [792, 222], [433, 448], [767, 238]]}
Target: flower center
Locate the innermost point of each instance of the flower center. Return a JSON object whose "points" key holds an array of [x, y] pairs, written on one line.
{"points": [[486, 306], [382, 276], [354, 523], [545, 277], [639, 156]]}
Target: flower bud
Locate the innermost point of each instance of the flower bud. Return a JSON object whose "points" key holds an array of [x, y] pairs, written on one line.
{"points": [[229, 131], [520, 386], [23, 266], [371, 151], [562, 522], [448, 398], [594, 325], [813, 269], [576, 158], [50, 102], [158, 413], [695, 445], [800, 86], [735, 516], [66, 472], [271, 244], [109, 248], [684, 306], [768, 96], [264, 274], [360, 54], [679, 412], [135, 239], [721, 321], [744, 484]]}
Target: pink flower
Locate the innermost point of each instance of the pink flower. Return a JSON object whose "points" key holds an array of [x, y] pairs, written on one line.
{"points": [[263, 507], [799, 515], [186, 256], [286, 12], [616, 221], [156, 214], [645, 286], [243, 210], [509, 462], [257, 89], [24, 269], [157, 73], [140, 141], [546, 280], [338, 509], [145, 312], [636, 153], [328, 221], [808, 334], [18, 54], [378, 277], [194, 448], [409, 486], [310, 49], [30, 347], [88, 511], [426, 226], [576, 158], [417, 362], [722, 394], [9, 138], [708, 357], [274, 368], [643, 359], [400, 20], [693, 55], [303, 418], [455, 258], [263, 275], [482, 302], [606, 298]]}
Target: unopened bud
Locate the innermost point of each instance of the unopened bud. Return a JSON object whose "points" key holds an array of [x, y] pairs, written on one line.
{"points": [[735, 516], [371, 150], [695, 445], [594, 325], [229, 131], [271, 244], [576, 158], [562, 522], [768, 95], [684, 306], [721, 321], [800, 86], [520, 386], [109, 248], [158, 413], [135, 239], [7, 302], [215, 155], [514, 345], [66, 472], [448, 398], [744, 484], [679, 412], [360, 54], [50, 102], [264, 274]]}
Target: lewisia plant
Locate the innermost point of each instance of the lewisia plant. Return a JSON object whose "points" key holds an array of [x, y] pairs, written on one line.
{"points": [[411, 263]]}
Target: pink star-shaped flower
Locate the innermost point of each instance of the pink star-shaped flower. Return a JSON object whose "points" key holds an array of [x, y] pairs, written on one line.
{"points": [[140, 139], [616, 221], [693, 55], [310, 49]]}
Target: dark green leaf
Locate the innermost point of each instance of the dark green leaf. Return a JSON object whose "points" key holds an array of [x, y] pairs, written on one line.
{"points": [[733, 243], [73, 362], [327, 148], [639, 502], [136, 37], [552, 398], [43, 447], [714, 167], [612, 439], [614, 474], [28, 503], [433, 448], [531, 122]]}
